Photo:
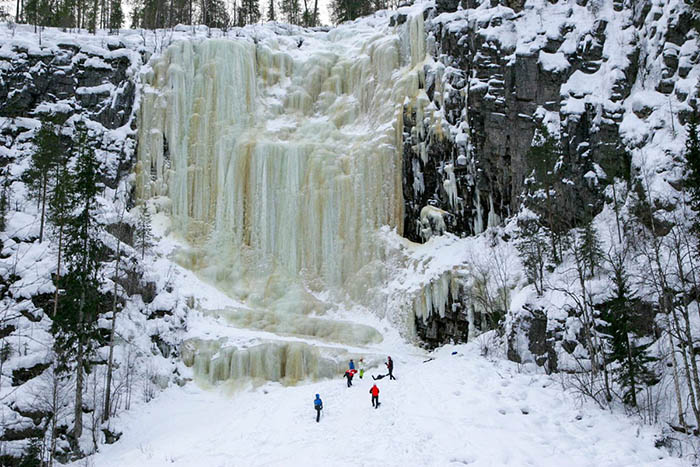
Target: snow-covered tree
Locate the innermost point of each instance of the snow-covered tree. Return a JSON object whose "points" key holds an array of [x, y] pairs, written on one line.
{"points": [[631, 360], [143, 234], [75, 323], [532, 244], [40, 176]]}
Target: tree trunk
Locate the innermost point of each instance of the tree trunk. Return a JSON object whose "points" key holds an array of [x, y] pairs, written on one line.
{"points": [[58, 269], [108, 388], [78, 427], [689, 382], [676, 384], [43, 207], [617, 213], [630, 362], [54, 415], [555, 255], [677, 247]]}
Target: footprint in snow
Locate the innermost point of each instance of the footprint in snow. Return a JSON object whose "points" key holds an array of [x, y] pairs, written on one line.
{"points": [[462, 461]]}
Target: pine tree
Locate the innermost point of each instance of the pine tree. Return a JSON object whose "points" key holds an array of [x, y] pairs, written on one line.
{"points": [[309, 16], [291, 11], [92, 11], [271, 15], [39, 176], [143, 234], [60, 209], [32, 456], [591, 252], [116, 16], [543, 157], [75, 323], [348, 10], [248, 12], [214, 15], [150, 14], [532, 246], [632, 370]]}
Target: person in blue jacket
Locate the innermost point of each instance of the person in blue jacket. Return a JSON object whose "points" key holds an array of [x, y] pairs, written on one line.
{"points": [[352, 364], [318, 405]]}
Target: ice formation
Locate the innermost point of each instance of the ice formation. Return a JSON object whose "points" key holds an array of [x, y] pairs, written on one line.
{"points": [[432, 222], [435, 296], [291, 324], [280, 158], [287, 362]]}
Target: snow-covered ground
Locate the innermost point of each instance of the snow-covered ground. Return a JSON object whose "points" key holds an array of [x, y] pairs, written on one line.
{"points": [[460, 409]]}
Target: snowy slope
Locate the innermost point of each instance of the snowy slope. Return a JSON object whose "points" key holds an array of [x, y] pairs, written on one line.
{"points": [[454, 410]]}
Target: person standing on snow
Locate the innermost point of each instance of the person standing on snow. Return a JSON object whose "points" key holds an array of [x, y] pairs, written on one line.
{"points": [[349, 374], [352, 364], [375, 396], [390, 366], [318, 405], [361, 366]]}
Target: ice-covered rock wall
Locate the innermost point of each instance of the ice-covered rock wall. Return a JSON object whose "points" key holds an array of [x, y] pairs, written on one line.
{"points": [[614, 80], [600, 74]]}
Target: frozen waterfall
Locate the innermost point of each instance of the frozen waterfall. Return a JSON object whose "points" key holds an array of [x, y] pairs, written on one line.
{"points": [[279, 157]]}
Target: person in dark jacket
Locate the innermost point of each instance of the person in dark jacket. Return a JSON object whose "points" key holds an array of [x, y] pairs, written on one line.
{"points": [[375, 396], [390, 367], [318, 405], [352, 364], [349, 374]]}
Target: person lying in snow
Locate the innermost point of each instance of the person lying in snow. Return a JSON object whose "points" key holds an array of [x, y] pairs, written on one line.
{"points": [[379, 377], [318, 405]]}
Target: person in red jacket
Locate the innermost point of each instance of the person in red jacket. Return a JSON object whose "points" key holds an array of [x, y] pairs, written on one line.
{"points": [[349, 374], [375, 396]]}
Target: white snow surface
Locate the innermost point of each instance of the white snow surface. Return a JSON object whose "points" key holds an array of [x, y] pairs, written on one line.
{"points": [[459, 409]]}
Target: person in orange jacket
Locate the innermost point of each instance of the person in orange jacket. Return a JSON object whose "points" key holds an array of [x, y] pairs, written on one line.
{"points": [[375, 396]]}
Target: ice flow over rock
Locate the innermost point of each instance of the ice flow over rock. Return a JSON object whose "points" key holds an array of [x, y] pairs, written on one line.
{"points": [[280, 158]]}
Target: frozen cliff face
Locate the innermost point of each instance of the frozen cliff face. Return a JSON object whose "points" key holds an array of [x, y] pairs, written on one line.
{"points": [[281, 157], [599, 74]]}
